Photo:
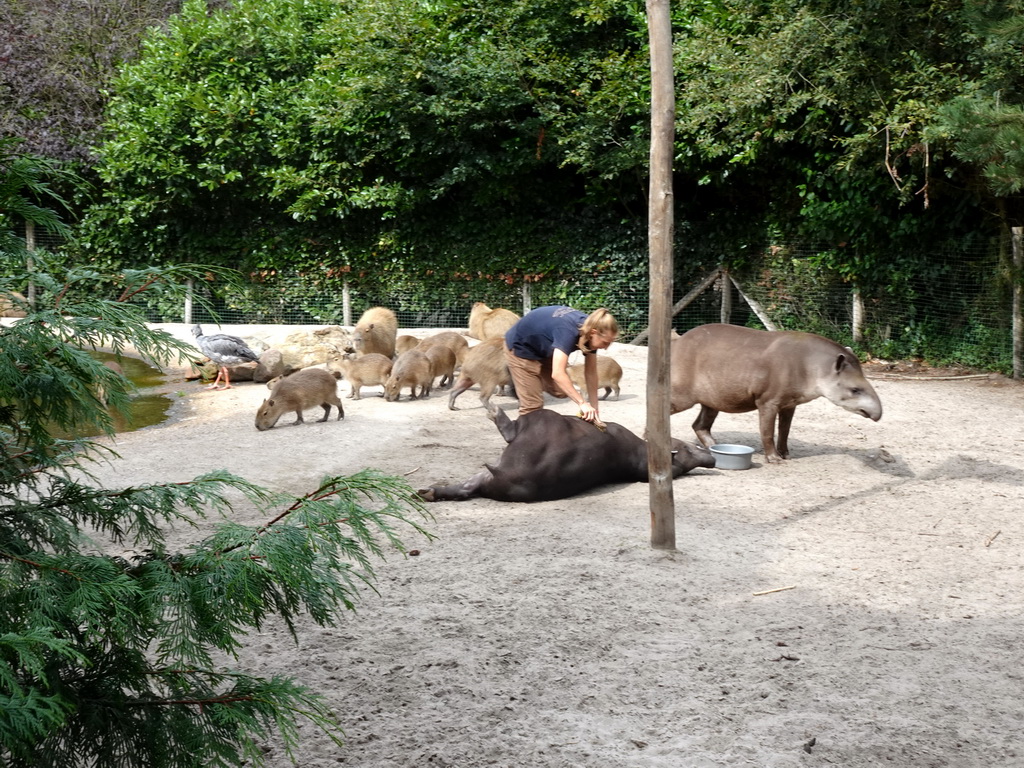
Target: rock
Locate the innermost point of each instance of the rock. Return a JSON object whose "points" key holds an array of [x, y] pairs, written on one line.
{"points": [[303, 349], [271, 365]]}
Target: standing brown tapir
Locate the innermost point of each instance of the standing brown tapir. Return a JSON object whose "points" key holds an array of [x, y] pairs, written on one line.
{"points": [[735, 369]]}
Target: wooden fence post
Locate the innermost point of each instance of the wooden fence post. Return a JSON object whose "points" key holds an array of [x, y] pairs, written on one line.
{"points": [[189, 288], [858, 316], [683, 303], [30, 246], [346, 304], [725, 291], [1018, 297], [756, 307]]}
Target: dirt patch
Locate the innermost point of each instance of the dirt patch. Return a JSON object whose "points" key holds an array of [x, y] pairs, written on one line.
{"points": [[551, 634]]}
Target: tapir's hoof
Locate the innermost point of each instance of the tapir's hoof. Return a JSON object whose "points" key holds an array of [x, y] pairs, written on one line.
{"points": [[492, 411], [426, 494]]}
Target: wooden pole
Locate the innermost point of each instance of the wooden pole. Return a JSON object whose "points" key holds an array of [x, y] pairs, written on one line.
{"points": [[858, 316], [660, 227], [30, 247], [1018, 299], [725, 310], [189, 290], [684, 302], [755, 307], [346, 304]]}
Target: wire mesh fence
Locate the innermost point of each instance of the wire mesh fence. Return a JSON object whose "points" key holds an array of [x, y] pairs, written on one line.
{"points": [[954, 308], [958, 313]]}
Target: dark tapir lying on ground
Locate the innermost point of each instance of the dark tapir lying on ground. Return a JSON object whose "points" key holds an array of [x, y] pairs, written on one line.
{"points": [[550, 456], [735, 369]]}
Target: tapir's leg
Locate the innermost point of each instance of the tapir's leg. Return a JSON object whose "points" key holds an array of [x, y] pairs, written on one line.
{"points": [[702, 425], [505, 425], [457, 492], [785, 421], [767, 415]]}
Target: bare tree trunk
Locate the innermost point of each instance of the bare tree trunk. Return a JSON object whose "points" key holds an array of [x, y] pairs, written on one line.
{"points": [[660, 226], [346, 304], [1018, 295]]}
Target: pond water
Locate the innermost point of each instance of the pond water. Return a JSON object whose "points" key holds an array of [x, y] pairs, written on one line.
{"points": [[149, 405]]}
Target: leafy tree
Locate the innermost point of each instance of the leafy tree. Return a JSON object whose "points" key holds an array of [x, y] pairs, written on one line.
{"points": [[809, 118], [285, 134], [56, 59], [983, 124], [26, 181], [113, 660]]}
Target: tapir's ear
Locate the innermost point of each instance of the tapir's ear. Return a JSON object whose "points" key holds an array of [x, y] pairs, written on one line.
{"points": [[840, 363]]}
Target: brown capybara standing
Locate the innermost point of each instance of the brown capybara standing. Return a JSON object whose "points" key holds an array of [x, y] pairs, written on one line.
{"points": [[484, 365], [405, 342], [301, 390], [375, 332], [609, 372], [486, 323], [367, 370], [412, 370], [442, 363], [456, 342]]}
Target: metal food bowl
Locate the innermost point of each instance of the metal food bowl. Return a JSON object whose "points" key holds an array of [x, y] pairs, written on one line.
{"points": [[732, 456]]}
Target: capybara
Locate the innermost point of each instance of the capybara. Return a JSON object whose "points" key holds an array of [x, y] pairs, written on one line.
{"points": [[405, 342], [412, 370], [484, 365], [367, 370], [609, 372], [456, 342], [301, 390], [375, 332], [486, 323], [442, 363], [288, 371]]}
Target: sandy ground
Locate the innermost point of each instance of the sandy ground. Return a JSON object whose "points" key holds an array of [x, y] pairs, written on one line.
{"points": [[551, 634]]}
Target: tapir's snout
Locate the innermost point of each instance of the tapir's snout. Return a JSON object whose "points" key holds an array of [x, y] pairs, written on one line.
{"points": [[699, 455], [871, 407]]}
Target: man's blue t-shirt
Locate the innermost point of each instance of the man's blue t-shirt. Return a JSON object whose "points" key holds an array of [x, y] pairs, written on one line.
{"points": [[543, 330]]}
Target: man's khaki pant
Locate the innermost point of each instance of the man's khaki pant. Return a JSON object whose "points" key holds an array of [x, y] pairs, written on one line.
{"points": [[532, 378]]}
